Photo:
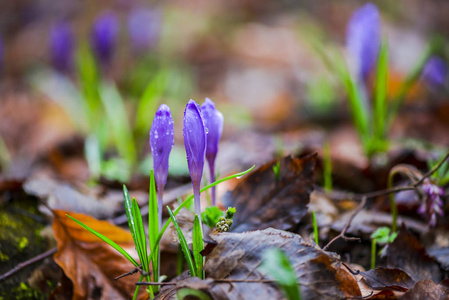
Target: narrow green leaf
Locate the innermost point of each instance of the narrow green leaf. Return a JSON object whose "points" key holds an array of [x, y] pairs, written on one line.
{"points": [[381, 89], [277, 266], [190, 198], [118, 122], [315, 227], [140, 235], [153, 227], [129, 213], [183, 243], [107, 240], [149, 101], [198, 246], [153, 214]]}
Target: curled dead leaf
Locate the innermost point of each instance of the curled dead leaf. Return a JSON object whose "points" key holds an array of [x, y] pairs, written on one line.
{"points": [[90, 263]]}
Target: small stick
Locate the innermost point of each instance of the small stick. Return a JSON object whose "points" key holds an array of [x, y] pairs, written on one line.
{"points": [[136, 269], [28, 262], [348, 223]]}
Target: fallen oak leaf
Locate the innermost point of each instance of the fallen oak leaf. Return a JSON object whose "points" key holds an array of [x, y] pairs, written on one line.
{"points": [[388, 279], [232, 269], [263, 199], [90, 263], [238, 256], [415, 261], [427, 289]]}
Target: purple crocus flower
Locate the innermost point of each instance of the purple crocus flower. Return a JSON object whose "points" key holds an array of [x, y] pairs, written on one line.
{"points": [[213, 119], [363, 38], [104, 36], [62, 46], [143, 27], [161, 142], [432, 204], [435, 71], [194, 133]]}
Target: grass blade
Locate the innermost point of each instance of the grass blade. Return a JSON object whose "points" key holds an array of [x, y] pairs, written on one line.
{"points": [[187, 201], [381, 88], [153, 228], [118, 122], [129, 213], [140, 235], [198, 246], [107, 240], [183, 243]]}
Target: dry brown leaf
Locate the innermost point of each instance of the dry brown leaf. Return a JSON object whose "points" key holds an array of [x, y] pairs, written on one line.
{"points": [[427, 289], [90, 263], [415, 261], [262, 201], [232, 269]]}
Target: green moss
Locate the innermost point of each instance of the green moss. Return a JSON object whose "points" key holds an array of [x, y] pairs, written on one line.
{"points": [[23, 291], [20, 240], [3, 257], [23, 242]]}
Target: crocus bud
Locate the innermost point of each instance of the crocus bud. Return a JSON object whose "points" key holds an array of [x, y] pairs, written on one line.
{"points": [[62, 46], [213, 120], [194, 133], [363, 39], [143, 27], [435, 71], [161, 142], [104, 36]]}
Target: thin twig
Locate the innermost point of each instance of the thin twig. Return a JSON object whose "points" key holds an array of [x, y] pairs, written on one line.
{"points": [[214, 280], [352, 196], [348, 223], [28, 262]]}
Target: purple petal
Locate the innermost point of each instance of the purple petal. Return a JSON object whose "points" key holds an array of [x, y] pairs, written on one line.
{"points": [[435, 71], [104, 36], [363, 38], [213, 120], [194, 133], [62, 46], [144, 27], [161, 142]]}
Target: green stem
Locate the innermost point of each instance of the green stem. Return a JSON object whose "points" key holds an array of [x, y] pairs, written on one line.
{"points": [[373, 253], [136, 291], [187, 202], [315, 227], [393, 207]]}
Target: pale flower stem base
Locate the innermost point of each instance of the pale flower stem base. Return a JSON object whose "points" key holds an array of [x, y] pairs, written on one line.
{"points": [[160, 204], [196, 194], [212, 180]]}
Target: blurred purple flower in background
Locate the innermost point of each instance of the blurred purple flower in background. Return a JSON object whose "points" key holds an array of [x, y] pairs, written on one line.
{"points": [[435, 71], [194, 133], [213, 120], [432, 204], [61, 46], [143, 26], [363, 38], [161, 142], [104, 36]]}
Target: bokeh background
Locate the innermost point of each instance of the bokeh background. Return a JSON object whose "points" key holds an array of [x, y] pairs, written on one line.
{"points": [[255, 59]]}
